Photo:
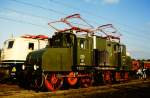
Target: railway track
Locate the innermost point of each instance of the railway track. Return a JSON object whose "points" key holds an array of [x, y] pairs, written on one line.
{"points": [[11, 91]]}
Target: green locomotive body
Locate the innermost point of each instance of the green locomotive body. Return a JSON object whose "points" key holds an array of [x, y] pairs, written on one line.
{"points": [[76, 59]]}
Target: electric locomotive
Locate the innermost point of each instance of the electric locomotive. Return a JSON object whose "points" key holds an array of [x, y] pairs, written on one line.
{"points": [[76, 60]]}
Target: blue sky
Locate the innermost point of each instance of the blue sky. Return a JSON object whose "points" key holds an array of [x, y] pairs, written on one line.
{"points": [[130, 17]]}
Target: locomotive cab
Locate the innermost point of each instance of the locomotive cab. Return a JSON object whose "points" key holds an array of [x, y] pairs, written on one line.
{"points": [[58, 54]]}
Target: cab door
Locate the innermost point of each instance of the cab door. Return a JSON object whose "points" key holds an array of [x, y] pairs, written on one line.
{"points": [[84, 52]]}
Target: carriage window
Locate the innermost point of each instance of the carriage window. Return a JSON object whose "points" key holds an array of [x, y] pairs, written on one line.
{"points": [[10, 44], [31, 46]]}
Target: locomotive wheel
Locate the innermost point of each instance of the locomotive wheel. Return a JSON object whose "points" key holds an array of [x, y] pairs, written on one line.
{"points": [[86, 82], [126, 76], [118, 77], [52, 82], [72, 80], [107, 77]]}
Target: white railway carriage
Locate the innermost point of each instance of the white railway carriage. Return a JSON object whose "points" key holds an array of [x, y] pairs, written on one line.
{"points": [[14, 52]]}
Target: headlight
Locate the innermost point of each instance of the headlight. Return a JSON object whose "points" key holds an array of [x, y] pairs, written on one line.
{"points": [[23, 67], [35, 67]]}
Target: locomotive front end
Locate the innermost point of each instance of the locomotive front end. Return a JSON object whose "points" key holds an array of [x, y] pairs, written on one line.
{"points": [[57, 58]]}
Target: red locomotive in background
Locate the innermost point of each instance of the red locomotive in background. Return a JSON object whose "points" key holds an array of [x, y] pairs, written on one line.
{"points": [[143, 65], [136, 64]]}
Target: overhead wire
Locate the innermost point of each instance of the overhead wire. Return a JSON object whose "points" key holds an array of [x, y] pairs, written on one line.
{"points": [[20, 21], [27, 14], [106, 19], [38, 16], [48, 9], [62, 13], [51, 10], [87, 12], [95, 15], [38, 6]]}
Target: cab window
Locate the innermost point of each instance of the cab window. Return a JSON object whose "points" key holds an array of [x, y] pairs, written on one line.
{"points": [[10, 44], [31, 46]]}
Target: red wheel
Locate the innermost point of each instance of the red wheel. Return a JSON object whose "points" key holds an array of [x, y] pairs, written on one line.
{"points": [[86, 81], [107, 77], [126, 75], [118, 77], [72, 80], [52, 82]]}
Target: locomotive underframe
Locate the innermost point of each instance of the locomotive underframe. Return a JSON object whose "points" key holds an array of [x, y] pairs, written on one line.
{"points": [[79, 78]]}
